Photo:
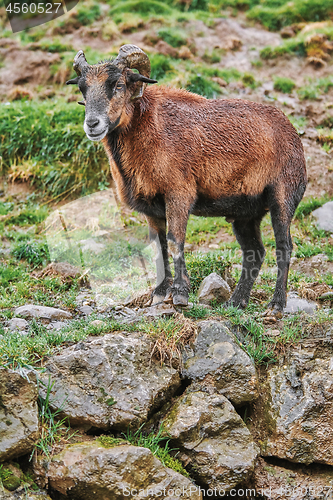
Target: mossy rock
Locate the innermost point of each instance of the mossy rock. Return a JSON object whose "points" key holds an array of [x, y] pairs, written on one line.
{"points": [[11, 483]]}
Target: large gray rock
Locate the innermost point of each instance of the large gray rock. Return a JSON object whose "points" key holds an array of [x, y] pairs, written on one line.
{"points": [[217, 364], [109, 382], [214, 288], [18, 414], [295, 305], [213, 438], [44, 312], [294, 414], [324, 216], [86, 471]]}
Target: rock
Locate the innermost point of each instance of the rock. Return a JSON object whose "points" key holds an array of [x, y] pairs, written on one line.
{"points": [[57, 325], [166, 49], [295, 305], [24, 494], [158, 310], [88, 470], [18, 414], [90, 245], [109, 382], [218, 364], [63, 269], [277, 482], [44, 312], [213, 438], [86, 310], [97, 322], [17, 324], [287, 32], [184, 52], [324, 216], [213, 287], [294, 413]]}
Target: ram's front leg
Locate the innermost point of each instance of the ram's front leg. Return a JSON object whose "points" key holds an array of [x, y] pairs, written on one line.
{"points": [[157, 233], [178, 210]]}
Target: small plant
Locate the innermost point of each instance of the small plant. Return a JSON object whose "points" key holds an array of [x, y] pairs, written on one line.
{"points": [[153, 443], [51, 429], [110, 441], [283, 84], [88, 14], [34, 252], [169, 336], [201, 85], [172, 36]]}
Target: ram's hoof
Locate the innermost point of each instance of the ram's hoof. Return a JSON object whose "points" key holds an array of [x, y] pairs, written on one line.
{"points": [[272, 315], [180, 300], [157, 299]]}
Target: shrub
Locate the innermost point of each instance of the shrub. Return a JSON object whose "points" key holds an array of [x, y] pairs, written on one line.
{"points": [[285, 85], [160, 66], [34, 252], [201, 85], [143, 7], [276, 15], [173, 37], [88, 14]]}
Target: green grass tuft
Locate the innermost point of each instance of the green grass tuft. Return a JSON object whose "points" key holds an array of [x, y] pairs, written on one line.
{"points": [[283, 84]]}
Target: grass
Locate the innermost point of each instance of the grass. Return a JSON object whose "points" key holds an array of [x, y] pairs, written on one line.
{"points": [[51, 429], [153, 443], [283, 84], [46, 145], [169, 337]]}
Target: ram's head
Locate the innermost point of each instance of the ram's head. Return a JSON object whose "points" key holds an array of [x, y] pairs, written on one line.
{"points": [[108, 87]]}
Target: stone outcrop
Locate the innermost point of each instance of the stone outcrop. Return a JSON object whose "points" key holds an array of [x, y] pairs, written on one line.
{"points": [[324, 216], [109, 382], [294, 415], [86, 470], [218, 364], [18, 413], [213, 288], [43, 312], [212, 438]]}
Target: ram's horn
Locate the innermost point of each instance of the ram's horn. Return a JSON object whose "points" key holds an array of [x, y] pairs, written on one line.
{"points": [[80, 62], [132, 57]]}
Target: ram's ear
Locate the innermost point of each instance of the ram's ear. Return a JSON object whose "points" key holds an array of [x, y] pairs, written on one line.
{"points": [[74, 81], [136, 77]]}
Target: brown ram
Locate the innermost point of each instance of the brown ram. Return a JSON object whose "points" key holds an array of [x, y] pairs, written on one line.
{"points": [[173, 153]]}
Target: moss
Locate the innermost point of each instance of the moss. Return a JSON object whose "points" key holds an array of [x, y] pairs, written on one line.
{"points": [[110, 441], [11, 483]]}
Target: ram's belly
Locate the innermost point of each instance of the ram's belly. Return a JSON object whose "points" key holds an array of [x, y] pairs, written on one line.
{"points": [[233, 207]]}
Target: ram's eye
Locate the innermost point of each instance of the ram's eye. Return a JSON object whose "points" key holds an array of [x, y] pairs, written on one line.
{"points": [[119, 87], [82, 103]]}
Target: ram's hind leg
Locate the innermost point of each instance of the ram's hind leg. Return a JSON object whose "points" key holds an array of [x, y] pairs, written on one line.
{"points": [[248, 236], [157, 233]]}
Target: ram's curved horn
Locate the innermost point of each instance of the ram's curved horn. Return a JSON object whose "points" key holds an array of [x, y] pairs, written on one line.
{"points": [[80, 62], [132, 57]]}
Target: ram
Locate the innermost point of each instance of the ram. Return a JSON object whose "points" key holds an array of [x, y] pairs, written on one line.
{"points": [[173, 153]]}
